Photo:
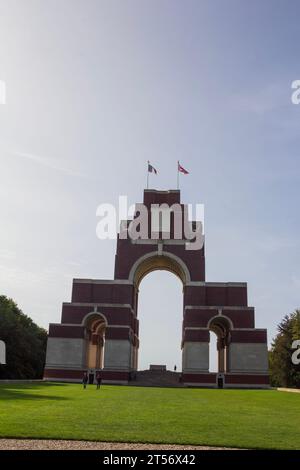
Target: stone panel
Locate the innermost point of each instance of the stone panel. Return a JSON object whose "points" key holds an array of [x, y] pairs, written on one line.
{"points": [[67, 352], [195, 357], [248, 357], [117, 354]]}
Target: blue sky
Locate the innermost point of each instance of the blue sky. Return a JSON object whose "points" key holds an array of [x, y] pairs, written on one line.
{"points": [[96, 88]]}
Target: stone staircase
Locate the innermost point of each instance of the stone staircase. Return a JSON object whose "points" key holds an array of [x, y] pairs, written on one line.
{"points": [[156, 378]]}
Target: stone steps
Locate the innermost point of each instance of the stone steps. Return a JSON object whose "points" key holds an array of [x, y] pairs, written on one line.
{"points": [[154, 378]]}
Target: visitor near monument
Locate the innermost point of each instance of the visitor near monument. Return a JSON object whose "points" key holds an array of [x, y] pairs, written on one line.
{"points": [[98, 379], [85, 379]]}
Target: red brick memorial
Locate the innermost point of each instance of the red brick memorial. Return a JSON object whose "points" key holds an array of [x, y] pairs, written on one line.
{"points": [[99, 328]]}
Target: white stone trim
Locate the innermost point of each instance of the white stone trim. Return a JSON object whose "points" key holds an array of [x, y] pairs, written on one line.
{"points": [[195, 328], [154, 254], [93, 313], [217, 307], [162, 191], [244, 374], [216, 284], [101, 281], [220, 316], [80, 325], [252, 372], [151, 241], [97, 304], [119, 326], [64, 367], [60, 379], [250, 329]]}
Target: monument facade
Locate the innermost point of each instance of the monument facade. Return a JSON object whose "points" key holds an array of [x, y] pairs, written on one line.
{"points": [[99, 328]]}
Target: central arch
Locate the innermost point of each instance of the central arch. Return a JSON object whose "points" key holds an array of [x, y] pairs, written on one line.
{"points": [[150, 263], [159, 310], [154, 261]]}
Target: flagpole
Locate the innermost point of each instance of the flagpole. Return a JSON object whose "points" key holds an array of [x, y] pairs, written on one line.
{"points": [[147, 174], [177, 174]]}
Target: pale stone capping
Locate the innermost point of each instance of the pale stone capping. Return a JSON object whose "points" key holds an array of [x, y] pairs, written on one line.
{"points": [[217, 307], [162, 191], [79, 325], [102, 281], [96, 304], [165, 241], [250, 329], [196, 328], [216, 284]]}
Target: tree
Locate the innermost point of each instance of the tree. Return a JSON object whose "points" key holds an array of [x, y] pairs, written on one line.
{"points": [[282, 372], [25, 343]]}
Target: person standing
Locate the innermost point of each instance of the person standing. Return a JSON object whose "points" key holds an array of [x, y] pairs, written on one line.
{"points": [[85, 379], [98, 379], [175, 368]]}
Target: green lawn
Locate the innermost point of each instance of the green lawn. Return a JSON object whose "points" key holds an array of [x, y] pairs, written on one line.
{"points": [[230, 418]]}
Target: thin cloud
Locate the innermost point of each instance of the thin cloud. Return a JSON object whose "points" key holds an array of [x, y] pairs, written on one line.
{"points": [[49, 163], [45, 161]]}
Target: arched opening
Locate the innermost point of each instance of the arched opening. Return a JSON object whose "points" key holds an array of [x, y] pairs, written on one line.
{"points": [[95, 326], [153, 262], [220, 326], [213, 352], [160, 306]]}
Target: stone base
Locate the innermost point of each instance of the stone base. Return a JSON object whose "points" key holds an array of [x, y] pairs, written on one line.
{"points": [[69, 375], [205, 380], [209, 380]]}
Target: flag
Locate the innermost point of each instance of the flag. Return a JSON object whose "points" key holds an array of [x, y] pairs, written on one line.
{"points": [[182, 170], [151, 169]]}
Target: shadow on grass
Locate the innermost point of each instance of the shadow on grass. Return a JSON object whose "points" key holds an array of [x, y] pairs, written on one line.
{"points": [[18, 391]]}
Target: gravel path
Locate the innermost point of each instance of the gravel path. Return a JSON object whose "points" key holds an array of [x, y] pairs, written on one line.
{"points": [[40, 444]]}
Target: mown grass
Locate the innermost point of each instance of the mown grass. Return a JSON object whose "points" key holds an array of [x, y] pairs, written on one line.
{"points": [[265, 419]]}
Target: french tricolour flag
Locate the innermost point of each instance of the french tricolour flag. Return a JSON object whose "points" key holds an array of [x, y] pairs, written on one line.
{"points": [[151, 169]]}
